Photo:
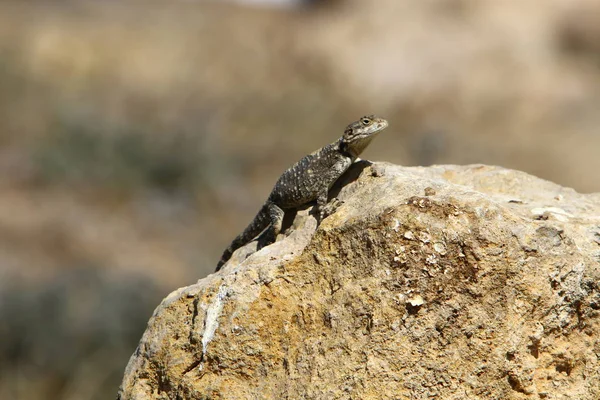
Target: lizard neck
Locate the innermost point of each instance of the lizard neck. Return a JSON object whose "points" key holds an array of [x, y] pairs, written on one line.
{"points": [[343, 149], [354, 148]]}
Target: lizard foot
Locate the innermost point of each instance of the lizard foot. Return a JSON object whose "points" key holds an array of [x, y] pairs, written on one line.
{"points": [[330, 208]]}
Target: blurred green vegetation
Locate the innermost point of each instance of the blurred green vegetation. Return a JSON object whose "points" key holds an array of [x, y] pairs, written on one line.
{"points": [[90, 152], [71, 337]]}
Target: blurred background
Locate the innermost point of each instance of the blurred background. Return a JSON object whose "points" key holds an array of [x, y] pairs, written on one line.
{"points": [[137, 138]]}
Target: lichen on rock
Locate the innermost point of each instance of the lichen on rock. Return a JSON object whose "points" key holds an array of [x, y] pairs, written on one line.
{"points": [[448, 282]]}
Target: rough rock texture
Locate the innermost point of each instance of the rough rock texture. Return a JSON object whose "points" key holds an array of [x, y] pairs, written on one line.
{"points": [[445, 282]]}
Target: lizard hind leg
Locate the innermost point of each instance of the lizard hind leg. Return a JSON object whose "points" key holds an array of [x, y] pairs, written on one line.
{"points": [[276, 214]]}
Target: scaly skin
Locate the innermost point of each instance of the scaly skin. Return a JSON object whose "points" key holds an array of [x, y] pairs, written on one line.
{"points": [[308, 180]]}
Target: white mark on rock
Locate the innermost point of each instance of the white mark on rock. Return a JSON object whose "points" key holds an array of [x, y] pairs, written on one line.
{"points": [[211, 322], [439, 247], [416, 301], [558, 213]]}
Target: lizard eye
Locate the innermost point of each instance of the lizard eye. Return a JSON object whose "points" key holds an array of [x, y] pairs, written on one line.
{"points": [[365, 121]]}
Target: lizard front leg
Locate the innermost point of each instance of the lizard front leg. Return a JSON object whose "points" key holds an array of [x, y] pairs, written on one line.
{"points": [[325, 209]]}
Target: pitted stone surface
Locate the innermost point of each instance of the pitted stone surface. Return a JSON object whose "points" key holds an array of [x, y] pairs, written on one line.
{"points": [[448, 282]]}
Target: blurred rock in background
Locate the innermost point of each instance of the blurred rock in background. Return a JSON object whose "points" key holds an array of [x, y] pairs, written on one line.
{"points": [[137, 138]]}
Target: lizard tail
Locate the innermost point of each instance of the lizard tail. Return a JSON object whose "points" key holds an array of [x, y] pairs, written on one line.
{"points": [[258, 224]]}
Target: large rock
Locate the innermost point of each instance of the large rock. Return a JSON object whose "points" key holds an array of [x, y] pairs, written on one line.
{"points": [[444, 282]]}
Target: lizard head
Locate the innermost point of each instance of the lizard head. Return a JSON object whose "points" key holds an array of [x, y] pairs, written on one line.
{"points": [[359, 134]]}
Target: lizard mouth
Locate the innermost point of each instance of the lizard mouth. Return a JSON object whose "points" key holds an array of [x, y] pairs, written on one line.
{"points": [[382, 125]]}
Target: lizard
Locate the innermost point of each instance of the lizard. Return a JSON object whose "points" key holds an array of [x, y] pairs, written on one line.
{"points": [[308, 180]]}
